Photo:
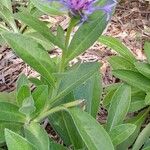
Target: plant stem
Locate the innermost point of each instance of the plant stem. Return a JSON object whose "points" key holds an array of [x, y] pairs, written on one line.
{"points": [[72, 23], [63, 107]]}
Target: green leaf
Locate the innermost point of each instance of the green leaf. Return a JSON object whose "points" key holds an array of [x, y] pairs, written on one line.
{"points": [[137, 102], [61, 34], [143, 136], [119, 106], [40, 27], [16, 142], [40, 39], [23, 93], [51, 9], [121, 132], [7, 3], [138, 121], [32, 53], [92, 133], [133, 78], [7, 16], [74, 78], [143, 68], [147, 148], [86, 35], [118, 62], [90, 91], [55, 146], [22, 80], [8, 97], [27, 107], [63, 124], [147, 98], [40, 96], [35, 134], [108, 97], [146, 50], [16, 127], [9, 112], [116, 45]]}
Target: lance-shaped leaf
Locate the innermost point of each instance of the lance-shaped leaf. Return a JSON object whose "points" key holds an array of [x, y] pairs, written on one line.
{"points": [[146, 50], [90, 91], [133, 78], [45, 7], [119, 106], [143, 68], [32, 53], [74, 78], [138, 121], [16, 127], [86, 35], [142, 138], [40, 27], [93, 134], [121, 132], [117, 45], [9, 112], [35, 134], [16, 142]]}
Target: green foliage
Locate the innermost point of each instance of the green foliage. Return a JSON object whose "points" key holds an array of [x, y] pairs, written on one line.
{"points": [[69, 95], [136, 74]]}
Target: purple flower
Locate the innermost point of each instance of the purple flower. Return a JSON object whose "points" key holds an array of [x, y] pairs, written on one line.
{"points": [[83, 8]]}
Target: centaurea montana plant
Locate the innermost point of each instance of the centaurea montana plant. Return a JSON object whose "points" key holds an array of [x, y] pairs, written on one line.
{"points": [[84, 8]]}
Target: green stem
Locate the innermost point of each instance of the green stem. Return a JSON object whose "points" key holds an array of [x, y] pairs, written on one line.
{"points": [[63, 107], [72, 23]]}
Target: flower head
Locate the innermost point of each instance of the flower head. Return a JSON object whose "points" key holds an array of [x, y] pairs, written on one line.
{"points": [[83, 8]]}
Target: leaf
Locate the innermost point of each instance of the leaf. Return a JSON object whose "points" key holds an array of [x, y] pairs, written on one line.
{"points": [[107, 99], [8, 97], [40, 39], [74, 78], [23, 93], [16, 127], [143, 136], [143, 68], [92, 133], [90, 91], [116, 45], [118, 62], [16, 142], [147, 98], [7, 15], [39, 27], [40, 96], [61, 34], [22, 81], [86, 35], [138, 121], [9, 112], [46, 8], [133, 78], [35, 134], [55, 146], [119, 106], [7, 3], [121, 132], [147, 148], [32, 53], [146, 50], [27, 107], [137, 102], [63, 124]]}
